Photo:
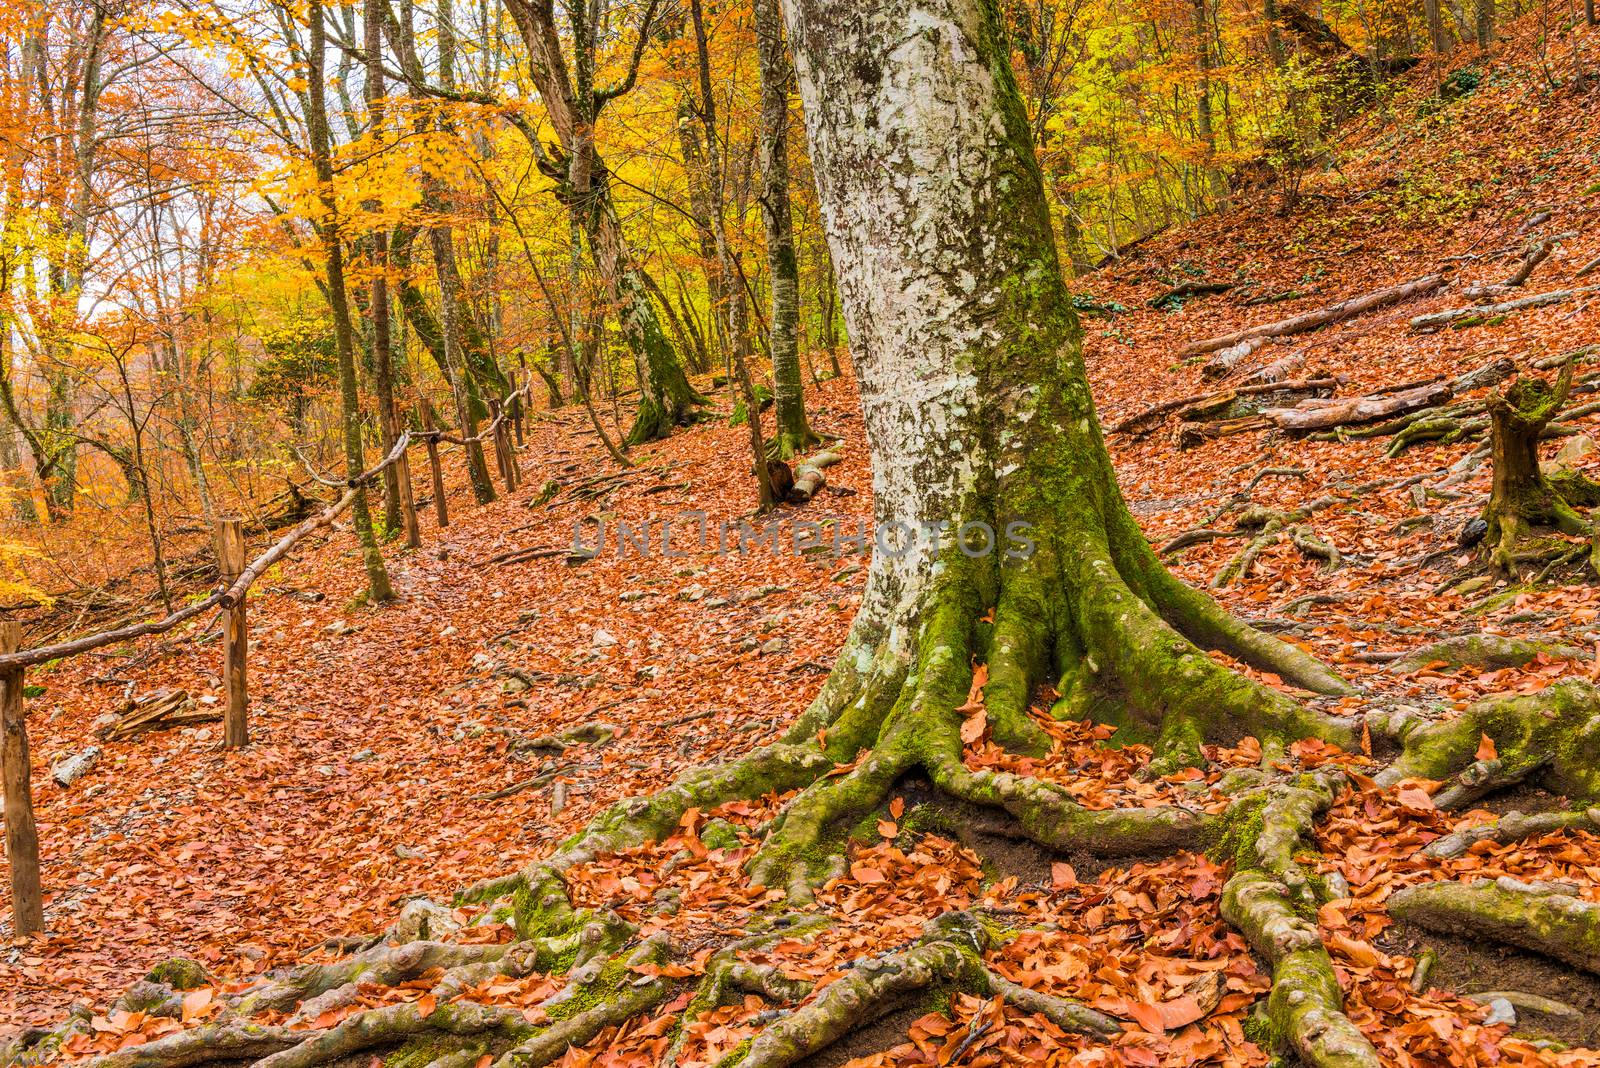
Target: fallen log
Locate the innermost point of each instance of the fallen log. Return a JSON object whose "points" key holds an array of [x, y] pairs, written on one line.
{"points": [[1478, 313], [1325, 414], [809, 477], [1311, 320], [1155, 411], [1281, 368], [1185, 290], [1193, 435], [1228, 359], [158, 712]]}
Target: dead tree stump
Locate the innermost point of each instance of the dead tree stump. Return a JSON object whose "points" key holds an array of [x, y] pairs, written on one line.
{"points": [[1523, 504]]}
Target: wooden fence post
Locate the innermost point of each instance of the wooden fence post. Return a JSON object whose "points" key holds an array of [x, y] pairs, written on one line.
{"points": [[408, 503], [22, 837], [439, 509], [502, 451], [235, 637]]}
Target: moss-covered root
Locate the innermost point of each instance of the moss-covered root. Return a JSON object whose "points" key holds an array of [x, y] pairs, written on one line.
{"points": [[605, 1004], [948, 954], [542, 906], [1195, 615], [1487, 651], [1512, 827], [1050, 816], [1306, 1006], [394, 1024], [791, 857], [726, 975], [1269, 828], [383, 964], [1539, 916], [1269, 899], [226, 1041], [1558, 728], [1152, 654]]}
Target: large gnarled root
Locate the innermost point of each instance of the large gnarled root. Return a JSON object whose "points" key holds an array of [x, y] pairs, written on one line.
{"points": [[621, 1003], [234, 1039], [949, 953], [1556, 729], [1542, 917], [1267, 899]]}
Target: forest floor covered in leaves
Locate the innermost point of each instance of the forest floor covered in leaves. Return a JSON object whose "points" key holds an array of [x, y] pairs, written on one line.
{"points": [[380, 735]]}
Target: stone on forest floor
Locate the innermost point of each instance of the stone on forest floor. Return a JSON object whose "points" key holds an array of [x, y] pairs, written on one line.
{"points": [[70, 769]]}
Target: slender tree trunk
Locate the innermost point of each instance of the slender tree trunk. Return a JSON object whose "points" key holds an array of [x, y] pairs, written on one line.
{"points": [[378, 586], [1437, 36], [791, 433], [1485, 22], [666, 399], [397, 478], [694, 165], [466, 393], [1204, 60], [734, 303]]}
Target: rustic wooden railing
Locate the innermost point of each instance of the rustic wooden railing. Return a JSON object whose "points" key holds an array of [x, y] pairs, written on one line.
{"points": [[237, 576]]}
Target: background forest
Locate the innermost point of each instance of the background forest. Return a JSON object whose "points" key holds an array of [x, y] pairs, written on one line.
{"points": [[169, 349]]}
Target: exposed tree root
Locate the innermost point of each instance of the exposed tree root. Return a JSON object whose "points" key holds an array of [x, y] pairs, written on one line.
{"points": [[1128, 642], [1487, 651], [1558, 726], [1268, 899], [1542, 917], [209, 1042], [1512, 827], [948, 953]]}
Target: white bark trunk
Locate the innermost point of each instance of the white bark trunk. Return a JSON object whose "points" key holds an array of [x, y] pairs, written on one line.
{"points": [[935, 218]]}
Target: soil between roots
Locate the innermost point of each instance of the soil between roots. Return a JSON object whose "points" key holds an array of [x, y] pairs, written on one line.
{"points": [[1470, 966]]}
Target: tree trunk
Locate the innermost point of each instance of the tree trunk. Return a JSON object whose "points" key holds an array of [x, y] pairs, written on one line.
{"points": [[666, 399], [1437, 35], [378, 587], [792, 433], [734, 306], [976, 404], [397, 513], [694, 166], [468, 399], [1485, 22]]}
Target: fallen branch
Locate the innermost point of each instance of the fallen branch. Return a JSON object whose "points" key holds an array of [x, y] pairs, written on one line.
{"points": [[1165, 407], [158, 712], [809, 477], [1311, 320], [1324, 414], [1482, 312]]}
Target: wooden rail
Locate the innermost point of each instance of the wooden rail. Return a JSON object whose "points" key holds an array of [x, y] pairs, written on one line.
{"points": [[237, 576]]}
